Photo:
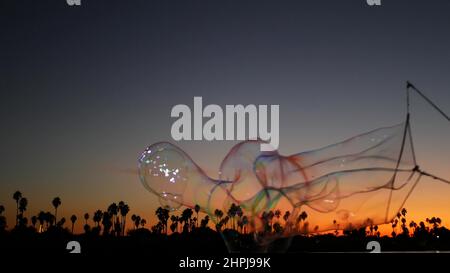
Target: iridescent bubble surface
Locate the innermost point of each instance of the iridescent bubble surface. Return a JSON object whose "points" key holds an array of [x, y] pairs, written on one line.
{"points": [[364, 179]]}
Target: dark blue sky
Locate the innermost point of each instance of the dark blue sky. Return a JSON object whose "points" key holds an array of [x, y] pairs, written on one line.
{"points": [[85, 89]]}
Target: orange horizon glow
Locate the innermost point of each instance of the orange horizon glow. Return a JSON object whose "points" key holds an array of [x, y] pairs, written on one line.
{"points": [[418, 210]]}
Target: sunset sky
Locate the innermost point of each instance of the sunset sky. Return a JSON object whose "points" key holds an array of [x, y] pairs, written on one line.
{"points": [[84, 90]]}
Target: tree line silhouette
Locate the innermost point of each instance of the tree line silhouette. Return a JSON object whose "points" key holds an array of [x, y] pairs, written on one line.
{"points": [[112, 221]]}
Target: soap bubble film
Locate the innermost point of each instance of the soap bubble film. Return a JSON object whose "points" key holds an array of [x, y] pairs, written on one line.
{"points": [[361, 181]]}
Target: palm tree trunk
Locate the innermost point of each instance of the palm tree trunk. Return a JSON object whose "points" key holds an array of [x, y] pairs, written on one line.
{"points": [[121, 225], [112, 227], [17, 213]]}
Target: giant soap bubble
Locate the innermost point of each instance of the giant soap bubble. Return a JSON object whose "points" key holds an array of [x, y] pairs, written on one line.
{"points": [[165, 171], [364, 180]]}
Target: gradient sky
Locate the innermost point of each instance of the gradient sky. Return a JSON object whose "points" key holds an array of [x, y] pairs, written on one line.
{"points": [[85, 89]]}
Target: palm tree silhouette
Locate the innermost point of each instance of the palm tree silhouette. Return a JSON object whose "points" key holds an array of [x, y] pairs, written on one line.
{"points": [[239, 214], [106, 222], [245, 222], [301, 217], [186, 218], [23, 203], [174, 225], [204, 222], [50, 219], [225, 220], [117, 227], [17, 196], [231, 213], [137, 221], [73, 219], [157, 229], [41, 218], [97, 217], [218, 213], [271, 215], [113, 210], [286, 216], [86, 227], [277, 214], [133, 219], [197, 209], [56, 202], [277, 228], [86, 218], [124, 209], [163, 216], [61, 222], [265, 222]]}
